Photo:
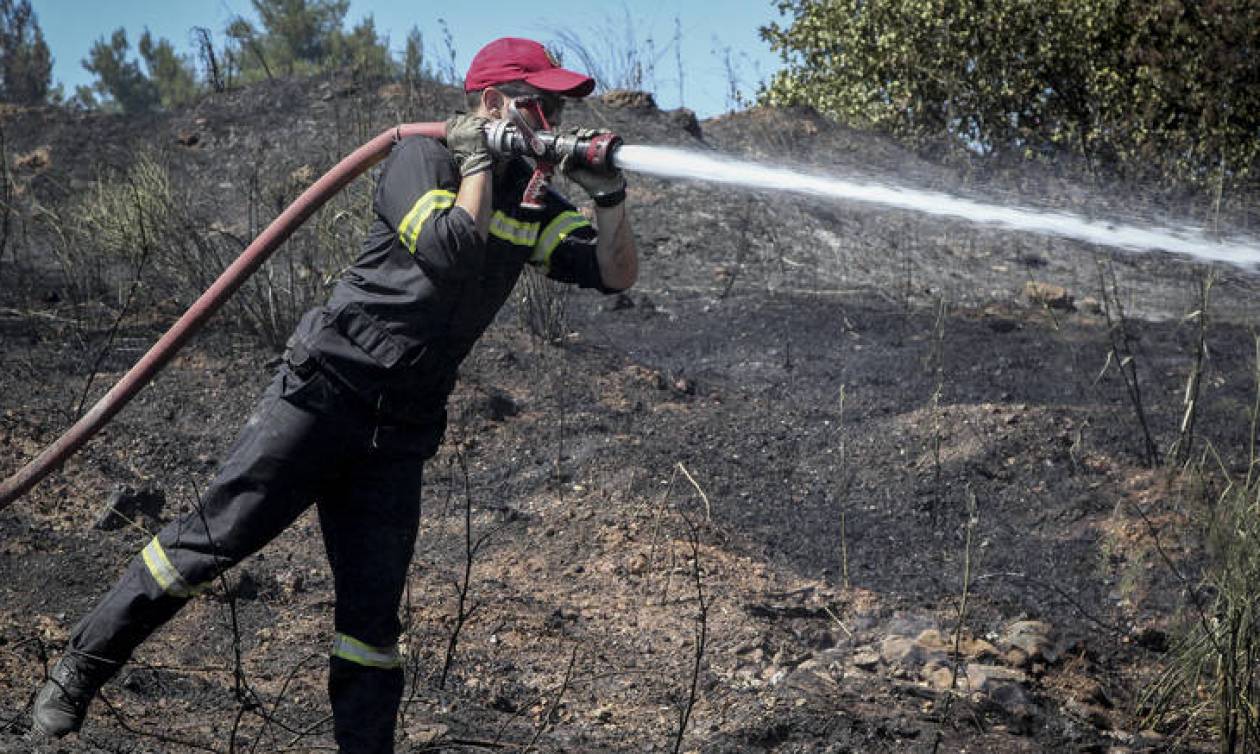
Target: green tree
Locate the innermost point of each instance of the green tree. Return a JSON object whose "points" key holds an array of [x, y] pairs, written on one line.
{"points": [[413, 57], [362, 51], [248, 55], [301, 31], [1149, 88], [174, 75], [121, 80], [25, 64]]}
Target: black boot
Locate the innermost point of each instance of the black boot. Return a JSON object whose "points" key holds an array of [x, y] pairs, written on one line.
{"points": [[62, 703]]}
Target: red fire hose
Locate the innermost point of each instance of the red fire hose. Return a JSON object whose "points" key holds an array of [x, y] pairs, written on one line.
{"points": [[254, 255]]}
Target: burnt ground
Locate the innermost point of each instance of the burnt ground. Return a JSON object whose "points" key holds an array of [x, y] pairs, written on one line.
{"points": [[771, 444]]}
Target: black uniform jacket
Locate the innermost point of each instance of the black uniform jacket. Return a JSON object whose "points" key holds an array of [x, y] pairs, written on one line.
{"points": [[425, 287]]}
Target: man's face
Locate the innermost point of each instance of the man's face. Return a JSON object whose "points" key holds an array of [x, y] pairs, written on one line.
{"points": [[531, 101]]}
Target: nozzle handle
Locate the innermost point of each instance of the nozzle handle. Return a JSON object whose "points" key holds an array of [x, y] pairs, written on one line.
{"points": [[594, 152]]}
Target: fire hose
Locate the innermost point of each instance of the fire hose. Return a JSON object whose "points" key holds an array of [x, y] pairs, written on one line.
{"points": [[507, 137]]}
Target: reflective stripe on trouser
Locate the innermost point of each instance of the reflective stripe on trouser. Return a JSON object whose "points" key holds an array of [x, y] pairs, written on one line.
{"points": [[300, 445], [369, 548], [350, 648]]}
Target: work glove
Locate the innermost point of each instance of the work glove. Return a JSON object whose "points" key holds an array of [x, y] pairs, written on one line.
{"points": [[606, 187], [466, 138]]}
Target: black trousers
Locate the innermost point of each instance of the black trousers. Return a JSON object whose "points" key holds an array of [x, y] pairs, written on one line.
{"points": [[307, 442]]}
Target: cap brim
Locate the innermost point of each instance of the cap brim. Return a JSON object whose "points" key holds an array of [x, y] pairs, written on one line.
{"points": [[562, 81]]}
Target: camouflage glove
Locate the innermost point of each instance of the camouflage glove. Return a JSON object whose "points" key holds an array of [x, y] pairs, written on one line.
{"points": [[466, 138], [606, 187]]}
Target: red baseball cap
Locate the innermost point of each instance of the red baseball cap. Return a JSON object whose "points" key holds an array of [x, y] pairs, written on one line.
{"points": [[514, 59]]}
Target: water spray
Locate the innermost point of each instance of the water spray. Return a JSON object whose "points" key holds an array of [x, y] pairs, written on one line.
{"points": [[607, 151], [668, 162], [601, 151]]}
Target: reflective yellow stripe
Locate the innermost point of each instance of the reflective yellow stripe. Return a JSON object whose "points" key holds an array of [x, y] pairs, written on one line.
{"points": [[409, 229], [513, 231], [557, 230], [350, 648], [164, 573]]}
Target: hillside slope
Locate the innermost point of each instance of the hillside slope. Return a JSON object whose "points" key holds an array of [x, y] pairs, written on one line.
{"points": [[797, 439]]}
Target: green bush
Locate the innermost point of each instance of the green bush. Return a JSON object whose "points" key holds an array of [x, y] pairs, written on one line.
{"points": [[141, 225], [1163, 89], [1211, 679]]}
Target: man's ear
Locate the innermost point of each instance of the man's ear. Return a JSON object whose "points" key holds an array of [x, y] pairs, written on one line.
{"points": [[492, 101]]}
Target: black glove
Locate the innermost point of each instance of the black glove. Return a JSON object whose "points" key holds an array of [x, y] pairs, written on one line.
{"points": [[606, 187], [466, 138]]}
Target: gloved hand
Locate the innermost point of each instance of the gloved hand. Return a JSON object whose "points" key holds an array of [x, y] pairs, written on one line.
{"points": [[466, 138], [606, 187]]}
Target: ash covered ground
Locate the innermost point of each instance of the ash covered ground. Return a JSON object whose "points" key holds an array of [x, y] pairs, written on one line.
{"points": [[795, 439]]}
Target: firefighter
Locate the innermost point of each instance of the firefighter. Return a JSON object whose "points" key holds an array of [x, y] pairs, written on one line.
{"points": [[359, 401]]}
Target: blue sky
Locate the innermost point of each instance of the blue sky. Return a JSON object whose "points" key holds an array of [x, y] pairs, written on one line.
{"points": [[712, 34]]}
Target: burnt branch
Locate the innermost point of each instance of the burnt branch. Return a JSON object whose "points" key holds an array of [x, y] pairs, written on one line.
{"points": [[702, 633]]}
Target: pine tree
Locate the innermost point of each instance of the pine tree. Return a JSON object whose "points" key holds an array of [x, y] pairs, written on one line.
{"points": [[172, 74], [413, 57], [120, 79], [25, 64], [301, 31]]}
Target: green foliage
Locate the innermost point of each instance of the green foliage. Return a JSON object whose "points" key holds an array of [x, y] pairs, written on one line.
{"points": [[413, 57], [294, 37], [25, 64], [306, 37], [121, 80], [1211, 679], [362, 52], [301, 33], [172, 74], [1136, 86]]}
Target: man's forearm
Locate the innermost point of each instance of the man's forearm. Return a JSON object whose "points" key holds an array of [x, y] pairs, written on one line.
{"points": [[618, 257], [475, 197]]}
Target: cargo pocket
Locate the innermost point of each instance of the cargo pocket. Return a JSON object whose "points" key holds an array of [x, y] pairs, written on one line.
{"points": [[369, 335], [309, 389]]}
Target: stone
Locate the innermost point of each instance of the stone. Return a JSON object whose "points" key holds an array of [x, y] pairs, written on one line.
{"points": [[905, 623], [1015, 658], [978, 649], [1046, 294], [629, 98], [908, 653], [933, 639], [1035, 638], [987, 678], [685, 119], [1018, 706], [866, 658], [811, 681], [941, 677], [127, 505]]}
